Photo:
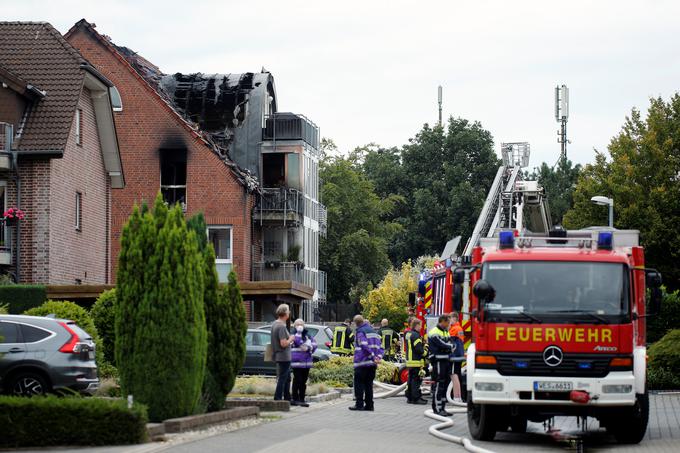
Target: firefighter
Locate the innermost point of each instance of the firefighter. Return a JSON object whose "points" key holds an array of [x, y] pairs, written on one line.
{"points": [[457, 335], [388, 336], [415, 351], [342, 339], [440, 349]]}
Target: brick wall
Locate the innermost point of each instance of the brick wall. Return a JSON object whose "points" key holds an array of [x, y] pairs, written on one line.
{"points": [[79, 254], [146, 125]]}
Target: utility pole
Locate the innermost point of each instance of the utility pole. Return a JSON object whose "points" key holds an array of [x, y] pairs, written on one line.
{"points": [[561, 116], [439, 97]]}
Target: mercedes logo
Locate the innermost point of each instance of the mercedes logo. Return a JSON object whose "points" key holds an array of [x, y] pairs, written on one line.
{"points": [[552, 356]]}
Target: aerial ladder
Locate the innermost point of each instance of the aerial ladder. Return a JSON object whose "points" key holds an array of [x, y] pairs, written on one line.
{"points": [[512, 203]]}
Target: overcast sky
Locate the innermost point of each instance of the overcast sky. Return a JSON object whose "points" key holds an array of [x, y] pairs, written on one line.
{"points": [[367, 71]]}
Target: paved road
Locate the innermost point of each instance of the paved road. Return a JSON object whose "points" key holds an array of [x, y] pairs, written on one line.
{"points": [[398, 427]]}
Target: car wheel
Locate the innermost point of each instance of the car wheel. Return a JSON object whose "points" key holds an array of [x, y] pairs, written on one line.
{"points": [[29, 384]]}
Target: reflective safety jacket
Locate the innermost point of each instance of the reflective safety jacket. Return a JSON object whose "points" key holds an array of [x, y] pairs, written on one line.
{"points": [[440, 346], [414, 349], [342, 340], [367, 346], [387, 335], [302, 350]]}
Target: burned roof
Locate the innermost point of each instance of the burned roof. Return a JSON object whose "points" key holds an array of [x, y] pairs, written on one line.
{"points": [[164, 86], [37, 53]]}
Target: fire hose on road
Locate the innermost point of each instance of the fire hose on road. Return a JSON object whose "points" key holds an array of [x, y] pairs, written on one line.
{"points": [[444, 422]]}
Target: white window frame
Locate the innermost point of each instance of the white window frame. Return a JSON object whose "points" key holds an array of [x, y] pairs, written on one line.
{"points": [[79, 131], [79, 211], [6, 229], [231, 242], [115, 90]]}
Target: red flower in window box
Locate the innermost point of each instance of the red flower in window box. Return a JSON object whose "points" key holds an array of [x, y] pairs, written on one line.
{"points": [[13, 214]]}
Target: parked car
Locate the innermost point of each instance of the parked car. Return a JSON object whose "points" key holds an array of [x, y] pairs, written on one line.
{"points": [[39, 355], [322, 334], [256, 341]]}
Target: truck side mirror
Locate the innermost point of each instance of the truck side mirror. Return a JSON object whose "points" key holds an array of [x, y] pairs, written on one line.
{"points": [[411, 299], [484, 291], [654, 281], [459, 276]]}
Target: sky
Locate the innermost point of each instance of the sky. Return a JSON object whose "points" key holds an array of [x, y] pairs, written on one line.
{"points": [[367, 71]]}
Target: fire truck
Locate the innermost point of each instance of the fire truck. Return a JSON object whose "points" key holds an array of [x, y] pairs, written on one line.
{"points": [[556, 317]]}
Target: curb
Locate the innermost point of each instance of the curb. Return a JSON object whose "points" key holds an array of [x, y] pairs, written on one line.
{"points": [[178, 425], [324, 397], [261, 404]]}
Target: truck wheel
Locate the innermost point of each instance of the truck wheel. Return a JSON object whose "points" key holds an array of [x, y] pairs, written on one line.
{"points": [[631, 429], [480, 424], [518, 424]]}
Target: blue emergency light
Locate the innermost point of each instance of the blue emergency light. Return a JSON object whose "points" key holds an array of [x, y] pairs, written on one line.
{"points": [[521, 364], [605, 240], [585, 365], [506, 239]]}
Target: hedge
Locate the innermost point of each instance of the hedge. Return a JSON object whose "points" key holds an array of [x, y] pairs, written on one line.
{"points": [[20, 298], [667, 319], [54, 421], [340, 371], [663, 372]]}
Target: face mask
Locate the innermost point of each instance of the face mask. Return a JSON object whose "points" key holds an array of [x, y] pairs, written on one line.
{"points": [[299, 329]]}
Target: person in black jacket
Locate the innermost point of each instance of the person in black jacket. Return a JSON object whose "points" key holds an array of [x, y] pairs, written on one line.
{"points": [[415, 350], [440, 349]]}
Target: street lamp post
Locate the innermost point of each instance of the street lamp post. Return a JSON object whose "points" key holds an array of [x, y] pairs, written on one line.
{"points": [[604, 201]]}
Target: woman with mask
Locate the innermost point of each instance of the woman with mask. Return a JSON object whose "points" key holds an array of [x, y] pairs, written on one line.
{"points": [[304, 346]]}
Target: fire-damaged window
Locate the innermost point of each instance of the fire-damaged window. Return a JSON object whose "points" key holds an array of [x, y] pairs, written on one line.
{"points": [[174, 176]]}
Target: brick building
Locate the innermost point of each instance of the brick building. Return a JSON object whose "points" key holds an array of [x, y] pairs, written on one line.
{"points": [[203, 152], [59, 159]]}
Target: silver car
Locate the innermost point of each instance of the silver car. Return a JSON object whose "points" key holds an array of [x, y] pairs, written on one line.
{"points": [[39, 355]]}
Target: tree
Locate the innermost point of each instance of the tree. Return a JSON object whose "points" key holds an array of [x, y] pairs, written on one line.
{"points": [[354, 251], [161, 337], [390, 298], [559, 183], [641, 175], [103, 314]]}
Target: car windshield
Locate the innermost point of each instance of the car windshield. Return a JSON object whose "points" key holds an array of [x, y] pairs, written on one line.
{"points": [[557, 287]]}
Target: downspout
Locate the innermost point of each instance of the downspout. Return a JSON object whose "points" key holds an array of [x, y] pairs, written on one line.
{"points": [[17, 179]]}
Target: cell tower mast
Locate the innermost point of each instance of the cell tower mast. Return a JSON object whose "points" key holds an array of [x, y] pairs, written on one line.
{"points": [[439, 98], [562, 115]]}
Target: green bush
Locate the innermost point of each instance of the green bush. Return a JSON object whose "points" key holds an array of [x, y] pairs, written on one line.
{"points": [[20, 298], [71, 311], [4, 309], [53, 421], [340, 370], [103, 314], [667, 319], [161, 338], [226, 324], [664, 362]]}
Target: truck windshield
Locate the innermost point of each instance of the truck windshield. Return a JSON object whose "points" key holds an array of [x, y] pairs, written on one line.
{"points": [[597, 292]]}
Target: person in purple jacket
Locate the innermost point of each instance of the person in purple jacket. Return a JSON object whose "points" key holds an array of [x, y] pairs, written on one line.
{"points": [[304, 346], [368, 353]]}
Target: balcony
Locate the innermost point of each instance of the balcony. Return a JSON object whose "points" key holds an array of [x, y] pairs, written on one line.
{"points": [[5, 245], [290, 126], [292, 271], [280, 206]]}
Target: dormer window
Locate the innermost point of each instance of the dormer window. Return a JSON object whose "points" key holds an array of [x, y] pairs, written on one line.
{"points": [[116, 101]]}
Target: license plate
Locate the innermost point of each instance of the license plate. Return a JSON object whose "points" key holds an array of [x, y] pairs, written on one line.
{"points": [[552, 386]]}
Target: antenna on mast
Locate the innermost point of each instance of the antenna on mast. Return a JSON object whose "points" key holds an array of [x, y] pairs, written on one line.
{"points": [[561, 116], [439, 98]]}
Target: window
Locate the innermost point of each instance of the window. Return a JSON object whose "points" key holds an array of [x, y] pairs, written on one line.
{"points": [[79, 132], [174, 176], [4, 229], [116, 101], [33, 334], [79, 211], [220, 238], [9, 332]]}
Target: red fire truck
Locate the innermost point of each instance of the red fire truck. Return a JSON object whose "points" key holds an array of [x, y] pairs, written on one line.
{"points": [[558, 328]]}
